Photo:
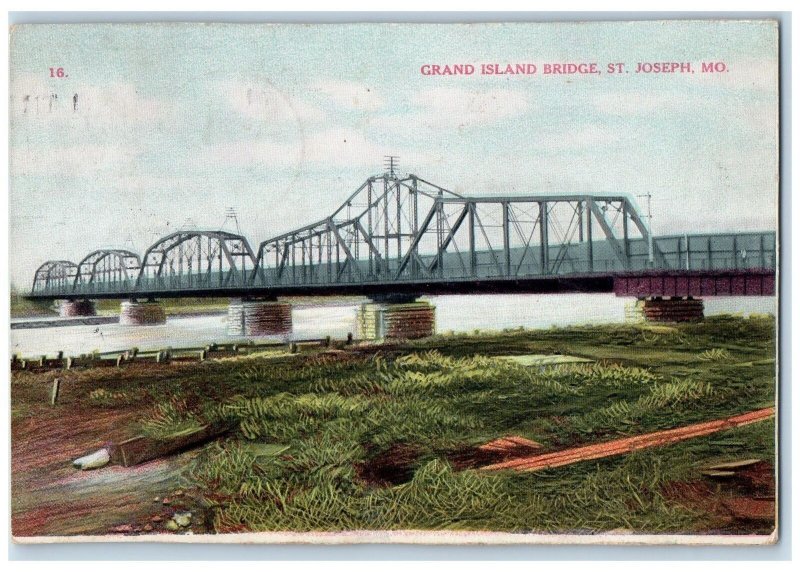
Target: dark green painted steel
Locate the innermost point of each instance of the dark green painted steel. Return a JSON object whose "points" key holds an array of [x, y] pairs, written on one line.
{"points": [[409, 235]]}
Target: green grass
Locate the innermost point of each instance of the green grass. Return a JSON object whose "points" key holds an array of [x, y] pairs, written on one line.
{"points": [[22, 308], [305, 428]]}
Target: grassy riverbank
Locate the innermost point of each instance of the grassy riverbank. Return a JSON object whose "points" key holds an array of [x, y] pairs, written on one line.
{"points": [[384, 437], [22, 308]]}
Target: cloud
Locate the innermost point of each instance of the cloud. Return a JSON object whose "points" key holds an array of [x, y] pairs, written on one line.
{"points": [[446, 108], [243, 153], [267, 103], [117, 105], [313, 144], [333, 147], [72, 161], [587, 136], [751, 73], [350, 94], [744, 82], [626, 103]]}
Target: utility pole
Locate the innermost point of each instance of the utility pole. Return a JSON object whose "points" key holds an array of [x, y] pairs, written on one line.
{"points": [[230, 214], [391, 162], [649, 227]]}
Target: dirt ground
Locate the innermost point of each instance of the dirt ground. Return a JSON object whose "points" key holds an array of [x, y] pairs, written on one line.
{"points": [[50, 497], [744, 499]]}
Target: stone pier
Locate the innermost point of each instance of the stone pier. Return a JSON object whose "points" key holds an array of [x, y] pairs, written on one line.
{"points": [[396, 318], [664, 310], [75, 308], [248, 317], [134, 313]]}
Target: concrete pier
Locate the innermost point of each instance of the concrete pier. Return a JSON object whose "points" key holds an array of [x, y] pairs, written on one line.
{"points": [[259, 318], [75, 308], [396, 319], [133, 313], [664, 310]]}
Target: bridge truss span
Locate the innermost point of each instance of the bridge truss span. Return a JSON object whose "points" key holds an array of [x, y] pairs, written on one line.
{"points": [[108, 270], [522, 236], [406, 230], [362, 241], [192, 260], [405, 235], [54, 277]]}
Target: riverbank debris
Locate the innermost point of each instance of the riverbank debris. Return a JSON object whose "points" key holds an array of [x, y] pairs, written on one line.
{"points": [[99, 458], [141, 448], [544, 359], [629, 444], [510, 446], [182, 519], [54, 391], [731, 469]]}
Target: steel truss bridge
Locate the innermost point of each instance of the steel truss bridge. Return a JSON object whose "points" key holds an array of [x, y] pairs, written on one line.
{"points": [[406, 236]]}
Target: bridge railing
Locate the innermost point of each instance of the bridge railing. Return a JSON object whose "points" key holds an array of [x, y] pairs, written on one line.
{"points": [[729, 251]]}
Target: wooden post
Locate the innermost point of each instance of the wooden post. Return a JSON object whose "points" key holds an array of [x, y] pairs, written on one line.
{"points": [[54, 391], [119, 360], [349, 338], [69, 363]]}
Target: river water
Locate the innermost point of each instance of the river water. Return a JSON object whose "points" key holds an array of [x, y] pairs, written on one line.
{"points": [[453, 313]]}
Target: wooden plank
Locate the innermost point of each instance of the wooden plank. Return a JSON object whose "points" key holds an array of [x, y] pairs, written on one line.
{"points": [[630, 444], [141, 449]]}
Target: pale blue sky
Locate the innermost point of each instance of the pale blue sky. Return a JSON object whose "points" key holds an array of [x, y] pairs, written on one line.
{"points": [[178, 122]]}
